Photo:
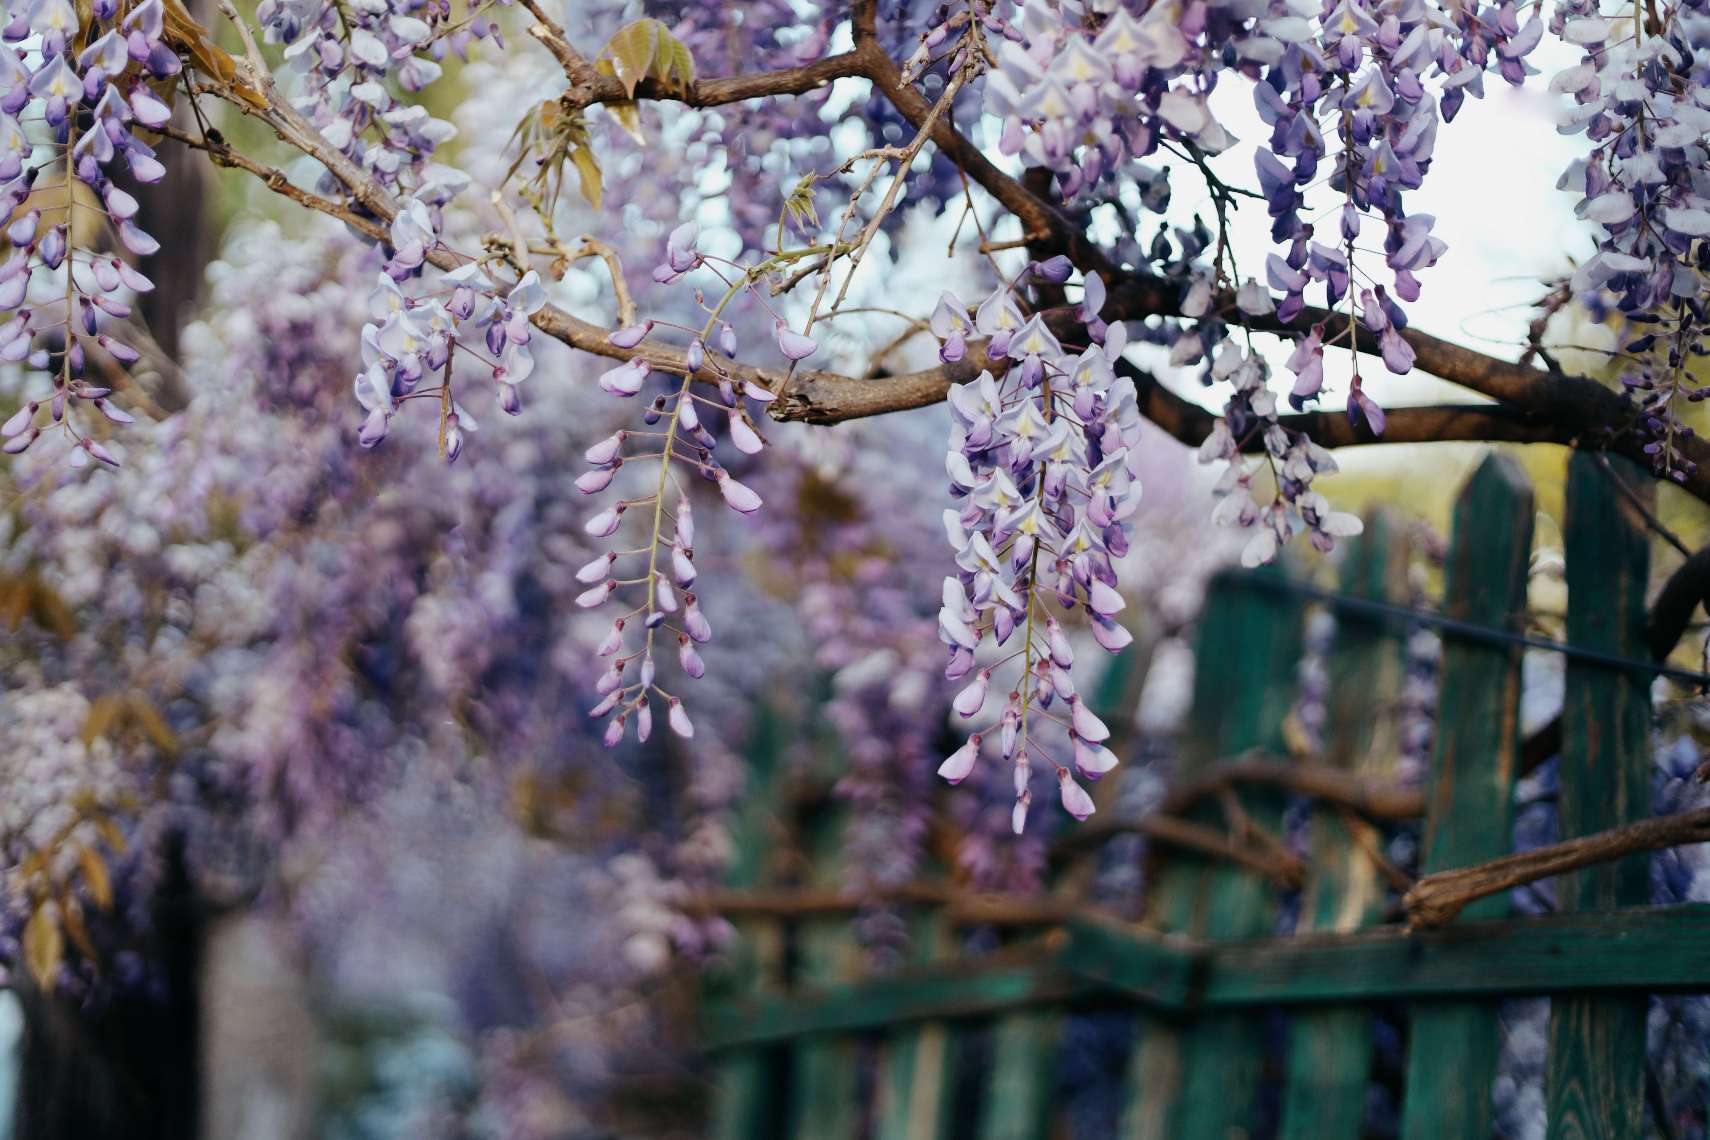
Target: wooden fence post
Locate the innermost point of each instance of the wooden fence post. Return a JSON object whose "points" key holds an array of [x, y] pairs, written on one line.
{"points": [[824, 1068], [1197, 1081], [1026, 1046], [1330, 1050], [746, 1080], [1453, 1050], [1596, 1075], [917, 1066]]}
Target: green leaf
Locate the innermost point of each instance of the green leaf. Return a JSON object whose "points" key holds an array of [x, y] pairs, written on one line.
{"points": [[675, 64], [632, 50], [628, 116], [646, 49]]}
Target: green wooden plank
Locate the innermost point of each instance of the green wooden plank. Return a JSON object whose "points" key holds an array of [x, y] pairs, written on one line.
{"points": [[1595, 1080], [824, 1084], [746, 1082], [915, 1094], [1639, 950], [1330, 1050], [1453, 1046], [947, 990], [917, 1065], [1019, 1100], [743, 1087], [1643, 949], [1198, 1081], [1162, 971]]}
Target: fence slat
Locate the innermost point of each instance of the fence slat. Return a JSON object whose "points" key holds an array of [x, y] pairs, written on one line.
{"points": [[916, 1070], [1330, 1051], [1454, 1045], [1595, 1081], [745, 1081], [1020, 1099], [1198, 1080], [824, 1078]]}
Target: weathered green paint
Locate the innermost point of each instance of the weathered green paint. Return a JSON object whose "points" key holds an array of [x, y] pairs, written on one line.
{"points": [[743, 1088], [745, 1082], [1642, 950], [948, 991], [916, 1065], [824, 1094], [1330, 1052], [1019, 1100], [1162, 971], [1197, 1081], [1595, 1080], [1470, 788]]}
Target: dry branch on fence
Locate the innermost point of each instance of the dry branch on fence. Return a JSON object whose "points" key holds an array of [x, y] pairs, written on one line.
{"points": [[1374, 799], [1437, 899], [960, 908]]}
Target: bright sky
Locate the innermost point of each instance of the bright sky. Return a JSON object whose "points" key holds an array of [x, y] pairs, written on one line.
{"points": [[1492, 189]]}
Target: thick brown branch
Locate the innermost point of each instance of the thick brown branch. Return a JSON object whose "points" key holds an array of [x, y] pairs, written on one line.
{"points": [[1578, 411], [1437, 899], [1038, 217], [1166, 825], [1538, 407]]}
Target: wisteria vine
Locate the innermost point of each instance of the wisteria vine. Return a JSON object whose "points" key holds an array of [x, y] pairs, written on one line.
{"points": [[1100, 102]]}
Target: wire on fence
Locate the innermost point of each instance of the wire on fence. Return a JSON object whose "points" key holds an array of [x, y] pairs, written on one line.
{"points": [[1463, 630]]}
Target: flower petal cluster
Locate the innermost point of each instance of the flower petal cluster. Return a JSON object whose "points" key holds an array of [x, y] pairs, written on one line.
{"points": [[355, 61], [89, 87], [677, 440], [1042, 465], [1641, 101], [409, 338]]}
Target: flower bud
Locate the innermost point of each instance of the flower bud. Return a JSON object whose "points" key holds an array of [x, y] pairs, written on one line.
{"points": [[1092, 760], [612, 642], [1075, 799], [793, 344], [960, 763], [970, 700], [679, 720], [737, 496], [743, 435], [1086, 722], [605, 523], [597, 569], [630, 335]]}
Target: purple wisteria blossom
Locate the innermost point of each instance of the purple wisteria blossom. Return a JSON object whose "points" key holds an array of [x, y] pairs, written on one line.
{"points": [[61, 295], [1043, 464]]}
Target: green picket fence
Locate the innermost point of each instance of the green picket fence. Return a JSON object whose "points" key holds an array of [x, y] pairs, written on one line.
{"points": [[802, 1045]]}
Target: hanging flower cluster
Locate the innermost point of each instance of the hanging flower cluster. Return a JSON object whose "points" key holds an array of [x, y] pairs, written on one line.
{"points": [[410, 338], [1355, 91], [1082, 103], [353, 58], [677, 437], [1043, 464], [87, 87], [1291, 458], [1640, 99]]}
